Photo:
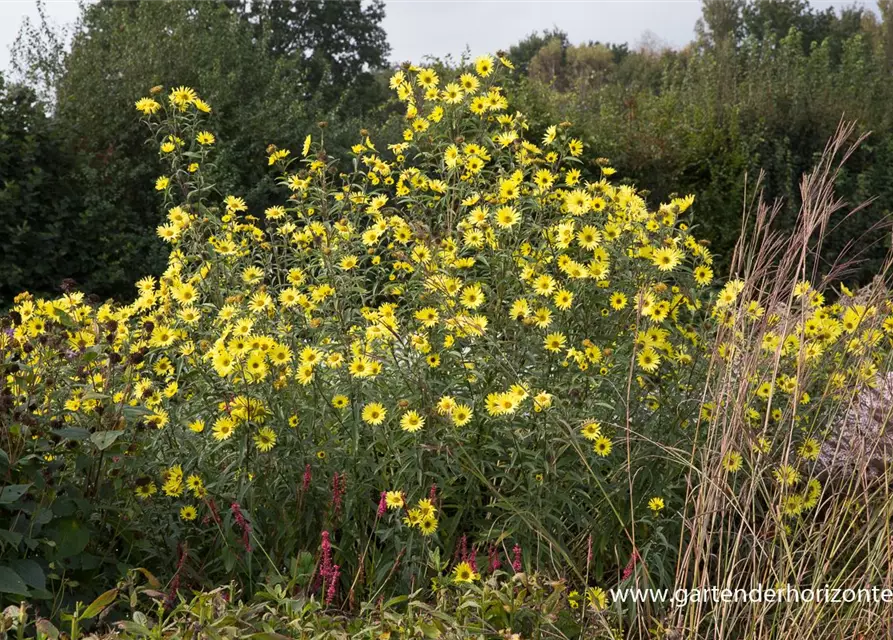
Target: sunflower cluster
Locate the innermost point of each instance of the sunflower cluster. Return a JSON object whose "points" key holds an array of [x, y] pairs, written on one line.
{"points": [[460, 308]]}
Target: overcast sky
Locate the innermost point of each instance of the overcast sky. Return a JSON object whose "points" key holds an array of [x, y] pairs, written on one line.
{"points": [[417, 28]]}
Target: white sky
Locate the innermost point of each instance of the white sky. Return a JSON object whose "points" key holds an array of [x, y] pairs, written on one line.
{"points": [[417, 28]]}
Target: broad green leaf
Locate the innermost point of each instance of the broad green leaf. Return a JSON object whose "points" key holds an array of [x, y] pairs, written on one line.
{"points": [[13, 492], [11, 582], [134, 629], [99, 604], [104, 439], [70, 536], [429, 630], [93, 395], [395, 601], [12, 538], [134, 412], [30, 572], [72, 433]]}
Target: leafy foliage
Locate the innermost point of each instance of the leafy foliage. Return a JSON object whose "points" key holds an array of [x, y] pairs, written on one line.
{"points": [[337, 44], [447, 365], [37, 199], [506, 607], [251, 60], [763, 89]]}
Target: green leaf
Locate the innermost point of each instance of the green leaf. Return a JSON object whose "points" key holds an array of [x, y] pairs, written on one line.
{"points": [[229, 559], [31, 573], [41, 594], [13, 492], [91, 353], [70, 536], [12, 538], [394, 601], [72, 433], [429, 630], [41, 516], [99, 604], [104, 439], [132, 413], [64, 506], [11, 582], [93, 395], [134, 629]]}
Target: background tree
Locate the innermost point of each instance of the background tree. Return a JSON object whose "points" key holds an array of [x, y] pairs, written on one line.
{"points": [[524, 51], [337, 44], [763, 87], [37, 198], [270, 70], [119, 51], [886, 9], [720, 22]]}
